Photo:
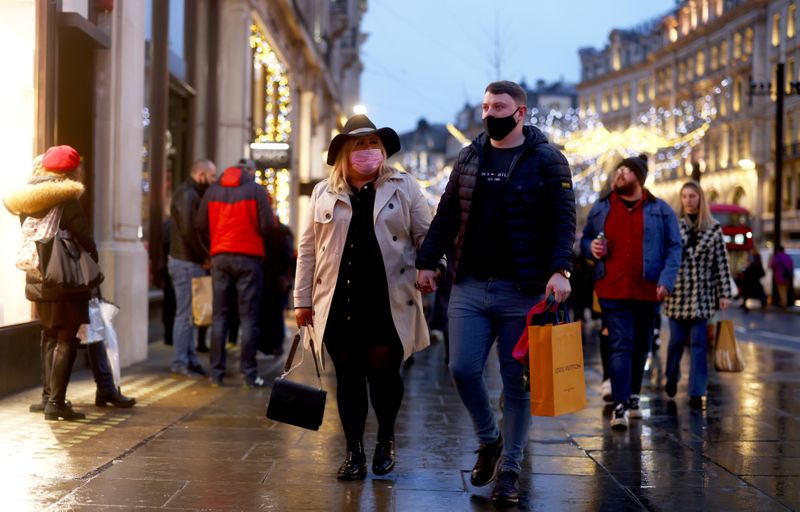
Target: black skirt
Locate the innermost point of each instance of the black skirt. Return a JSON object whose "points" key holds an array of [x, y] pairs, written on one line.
{"points": [[63, 313]]}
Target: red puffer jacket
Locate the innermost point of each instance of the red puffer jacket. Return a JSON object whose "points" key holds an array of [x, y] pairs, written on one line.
{"points": [[235, 214]]}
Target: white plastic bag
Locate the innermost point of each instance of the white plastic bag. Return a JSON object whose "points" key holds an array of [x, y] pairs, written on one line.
{"points": [[108, 311], [95, 330]]}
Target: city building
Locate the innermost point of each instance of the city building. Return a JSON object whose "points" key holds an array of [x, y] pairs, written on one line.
{"points": [[143, 88], [687, 76]]}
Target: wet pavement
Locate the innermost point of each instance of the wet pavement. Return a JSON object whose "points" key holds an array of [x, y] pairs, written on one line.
{"points": [[189, 446]]}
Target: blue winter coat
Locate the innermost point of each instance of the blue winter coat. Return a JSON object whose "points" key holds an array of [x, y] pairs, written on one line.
{"points": [[662, 240]]}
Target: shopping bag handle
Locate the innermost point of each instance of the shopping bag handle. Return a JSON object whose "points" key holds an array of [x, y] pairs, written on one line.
{"points": [[288, 368], [549, 305]]}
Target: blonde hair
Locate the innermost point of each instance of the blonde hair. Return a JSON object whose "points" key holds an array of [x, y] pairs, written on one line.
{"points": [[341, 169], [39, 170], [705, 220]]}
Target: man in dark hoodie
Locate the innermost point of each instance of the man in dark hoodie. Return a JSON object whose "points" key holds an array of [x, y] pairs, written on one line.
{"points": [[237, 217], [509, 208], [187, 255]]}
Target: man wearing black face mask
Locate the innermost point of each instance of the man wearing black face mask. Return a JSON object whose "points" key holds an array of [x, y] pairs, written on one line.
{"points": [[187, 255], [509, 208]]}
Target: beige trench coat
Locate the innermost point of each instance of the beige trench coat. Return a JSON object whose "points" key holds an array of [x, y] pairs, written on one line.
{"points": [[401, 217]]}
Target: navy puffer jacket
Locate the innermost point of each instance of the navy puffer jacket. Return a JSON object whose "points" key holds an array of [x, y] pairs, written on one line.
{"points": [[540, 210]]}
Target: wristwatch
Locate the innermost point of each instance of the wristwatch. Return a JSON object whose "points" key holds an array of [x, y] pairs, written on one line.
{"points": [[564, 272]]}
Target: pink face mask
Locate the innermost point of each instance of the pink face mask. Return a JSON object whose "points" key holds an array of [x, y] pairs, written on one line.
{"points": [[366, 161]]}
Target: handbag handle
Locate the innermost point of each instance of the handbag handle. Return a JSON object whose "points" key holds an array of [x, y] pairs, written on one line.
{"points": [[288, 368]]}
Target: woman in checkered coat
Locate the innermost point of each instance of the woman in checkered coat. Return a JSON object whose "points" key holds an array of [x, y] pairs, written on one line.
{"points": [[702, 287]]}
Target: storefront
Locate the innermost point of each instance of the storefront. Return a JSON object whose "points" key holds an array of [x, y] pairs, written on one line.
{"points": [[64, 90]]}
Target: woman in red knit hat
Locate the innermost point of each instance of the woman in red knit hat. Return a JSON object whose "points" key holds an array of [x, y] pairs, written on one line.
{"points": [[56, 181]]}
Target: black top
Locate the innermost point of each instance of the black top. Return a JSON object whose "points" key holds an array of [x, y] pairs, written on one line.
{"points": [[361, 298], [185, 242], [487, 245], [539, 205]]}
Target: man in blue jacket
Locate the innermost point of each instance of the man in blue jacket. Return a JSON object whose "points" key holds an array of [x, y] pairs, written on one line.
{"points": [[636, 263], [509, 208]]}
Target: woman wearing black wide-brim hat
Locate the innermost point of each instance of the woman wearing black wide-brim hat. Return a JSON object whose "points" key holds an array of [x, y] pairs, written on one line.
{"points": [[355, 283]]}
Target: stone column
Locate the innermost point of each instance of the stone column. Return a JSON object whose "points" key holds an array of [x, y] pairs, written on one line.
{"points": [[234, 75], [118, 182]]}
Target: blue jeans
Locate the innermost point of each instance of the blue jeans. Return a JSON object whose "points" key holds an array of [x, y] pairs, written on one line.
{"points": [[630, 337], [246, 275], [681, 331], [183, 331], [481, 312]]}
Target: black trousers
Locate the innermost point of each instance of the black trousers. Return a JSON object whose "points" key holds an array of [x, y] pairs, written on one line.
{"points": [[367, 370]]}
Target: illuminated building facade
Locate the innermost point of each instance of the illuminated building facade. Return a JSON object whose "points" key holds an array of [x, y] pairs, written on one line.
{"points": [[702, 56]]}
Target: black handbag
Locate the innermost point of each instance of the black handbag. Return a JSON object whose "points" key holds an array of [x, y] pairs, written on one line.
{"points": [[294, 403], [66, 266]]}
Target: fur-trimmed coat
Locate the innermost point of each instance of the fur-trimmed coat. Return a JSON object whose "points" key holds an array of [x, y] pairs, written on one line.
{"points": [[703, 278], [35, 199]]}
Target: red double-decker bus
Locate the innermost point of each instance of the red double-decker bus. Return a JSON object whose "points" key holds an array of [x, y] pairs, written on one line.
{"points": [[736, 226]]}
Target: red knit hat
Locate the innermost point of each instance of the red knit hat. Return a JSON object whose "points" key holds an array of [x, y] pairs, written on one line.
{"points": [[61, 159]]}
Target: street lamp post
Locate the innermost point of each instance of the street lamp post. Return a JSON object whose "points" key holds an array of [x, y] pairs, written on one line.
{"points": [[764, 89]]}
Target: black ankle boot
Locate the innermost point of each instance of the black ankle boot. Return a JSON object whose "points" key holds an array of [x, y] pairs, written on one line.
{"points": [[54, 411], [354, 466], [113, 397], [107, 392], [383, 460]]}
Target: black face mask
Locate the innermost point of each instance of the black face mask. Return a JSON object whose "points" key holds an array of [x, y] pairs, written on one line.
{"points": [[498, 128]]}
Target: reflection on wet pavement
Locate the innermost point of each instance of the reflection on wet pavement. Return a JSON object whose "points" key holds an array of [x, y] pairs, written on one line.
{"points": [[188, 446]]}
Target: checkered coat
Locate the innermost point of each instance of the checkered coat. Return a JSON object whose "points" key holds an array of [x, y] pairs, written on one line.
{"points": [[703, 278]]}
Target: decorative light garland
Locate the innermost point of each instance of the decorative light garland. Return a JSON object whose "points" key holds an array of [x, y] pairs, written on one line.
{"points": [[592, 150], [669, 134], [277, 183], [277, 126], [278, 105]]}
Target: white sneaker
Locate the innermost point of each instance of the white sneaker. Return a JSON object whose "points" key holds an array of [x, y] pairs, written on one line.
{"points": [[634, 412], [605, 390], [619, 418]]}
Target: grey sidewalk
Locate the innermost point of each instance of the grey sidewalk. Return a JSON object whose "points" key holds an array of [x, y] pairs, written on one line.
{"points": [[188, 446]]}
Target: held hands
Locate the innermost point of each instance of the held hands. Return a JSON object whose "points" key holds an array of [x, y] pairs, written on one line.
{"points": [[304, 316], [426, 280], [559, 286], [724, 303], [661, 292]]}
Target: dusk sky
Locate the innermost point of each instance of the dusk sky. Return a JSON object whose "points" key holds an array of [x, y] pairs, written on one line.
{"points": [[426, 58]]}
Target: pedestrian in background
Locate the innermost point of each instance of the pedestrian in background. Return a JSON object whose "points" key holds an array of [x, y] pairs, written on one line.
{"points": [[636, 263], [750, 281], [235, 215], [355, 283], [782, 276], [703, 285], [279, 268], [188, 258], [56, 181], [509, 209]]}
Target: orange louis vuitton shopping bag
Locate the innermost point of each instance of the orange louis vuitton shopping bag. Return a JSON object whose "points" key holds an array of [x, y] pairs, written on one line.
{"points": [[556, 367]]}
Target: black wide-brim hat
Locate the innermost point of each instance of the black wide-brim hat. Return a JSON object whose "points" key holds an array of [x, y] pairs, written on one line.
{"points": [[360, 126]]}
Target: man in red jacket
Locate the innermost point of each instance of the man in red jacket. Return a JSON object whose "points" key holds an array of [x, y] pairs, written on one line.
{"points": [[236, 215]]}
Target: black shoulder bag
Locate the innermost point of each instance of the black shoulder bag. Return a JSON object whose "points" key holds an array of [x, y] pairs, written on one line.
{"points": [[66, 266], [294, 403]]}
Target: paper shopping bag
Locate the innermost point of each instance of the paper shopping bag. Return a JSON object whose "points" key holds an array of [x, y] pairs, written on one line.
{"points": [[727, 357], [556, 361], [202, 300]]}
